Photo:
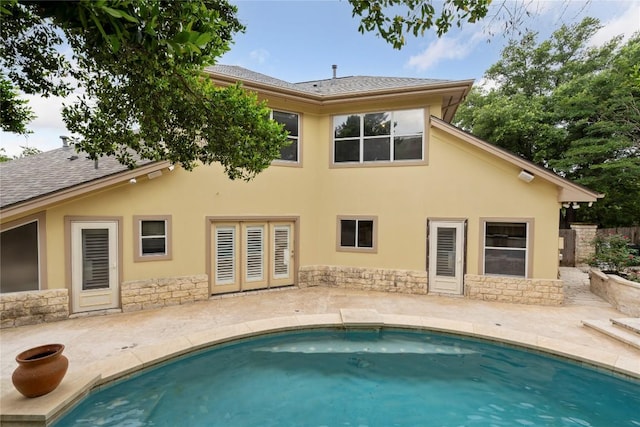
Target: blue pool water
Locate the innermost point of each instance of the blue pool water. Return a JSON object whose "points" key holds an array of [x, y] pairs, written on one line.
{"points": [[363, 378]]}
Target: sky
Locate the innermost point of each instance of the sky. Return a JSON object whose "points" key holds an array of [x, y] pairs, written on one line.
{"points": [[298, 41]]}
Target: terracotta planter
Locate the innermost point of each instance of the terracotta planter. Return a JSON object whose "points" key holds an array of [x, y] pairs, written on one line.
{"points": [[40, 370]]}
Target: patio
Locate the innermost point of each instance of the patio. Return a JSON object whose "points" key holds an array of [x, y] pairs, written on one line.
{"points": [[122, 342]]}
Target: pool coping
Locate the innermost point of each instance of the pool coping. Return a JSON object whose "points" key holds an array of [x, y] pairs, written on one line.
{"points": [[18, 410]]}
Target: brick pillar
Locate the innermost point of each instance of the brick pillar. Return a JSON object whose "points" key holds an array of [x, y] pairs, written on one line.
{"points": [[585, 249]]}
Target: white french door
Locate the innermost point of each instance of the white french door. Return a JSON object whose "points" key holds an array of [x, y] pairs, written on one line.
{"points": [[94, 266], [251, 255], [446, 257]]}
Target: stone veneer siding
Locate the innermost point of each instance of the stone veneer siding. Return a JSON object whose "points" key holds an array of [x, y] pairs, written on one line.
{"points": [[31, 307], [514, 290], [368, 279], [621, 293], [155, 293], [585, 248]]}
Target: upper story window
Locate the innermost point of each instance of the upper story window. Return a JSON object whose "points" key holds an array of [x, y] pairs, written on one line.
{"points": [[291, 122], [379, 137], [153, 238]]}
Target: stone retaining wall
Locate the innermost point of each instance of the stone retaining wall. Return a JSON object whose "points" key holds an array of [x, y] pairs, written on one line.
{"points": [[31, 307], [367, 279], [623, 294], [155, 293], [514, 290]]}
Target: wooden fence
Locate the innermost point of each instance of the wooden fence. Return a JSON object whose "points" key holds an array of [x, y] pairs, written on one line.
{"points": [[568, 252]]}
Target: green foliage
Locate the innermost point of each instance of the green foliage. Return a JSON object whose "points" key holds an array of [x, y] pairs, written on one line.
{"points": [[14, 112], [140, 63], [415, 16], [570, 107], [613, 253], [3, 156], [28, 151]]}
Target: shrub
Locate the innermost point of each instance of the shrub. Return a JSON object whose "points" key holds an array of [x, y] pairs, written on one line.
{"points": [[613, 253]]}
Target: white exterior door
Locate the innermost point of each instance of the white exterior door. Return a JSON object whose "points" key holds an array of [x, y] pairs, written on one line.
{"points": [[251, 255], [94, 266], [446, 257]]}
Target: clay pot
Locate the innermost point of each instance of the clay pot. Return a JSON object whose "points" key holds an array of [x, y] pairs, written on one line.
{"points": [[40, 370]]}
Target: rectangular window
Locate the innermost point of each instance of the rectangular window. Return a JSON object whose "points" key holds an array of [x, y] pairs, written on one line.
{"points": [[291, 122], [20, 258], [506, 248], [153, 238], [356, 234], [379, 137]]}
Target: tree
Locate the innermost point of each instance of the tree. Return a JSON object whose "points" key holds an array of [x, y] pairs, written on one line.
{"points": [[3, 156], [14, 112], [570, 107], [139, 64], [28, 151], [415, 16]]}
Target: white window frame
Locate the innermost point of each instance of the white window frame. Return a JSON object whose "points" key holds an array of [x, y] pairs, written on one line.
{"points": [[138, 256], [527, 249], [392, 136], [295, 138]]}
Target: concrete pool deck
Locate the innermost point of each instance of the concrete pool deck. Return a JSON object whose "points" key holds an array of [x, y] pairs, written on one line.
{"points": [[101, 348]]}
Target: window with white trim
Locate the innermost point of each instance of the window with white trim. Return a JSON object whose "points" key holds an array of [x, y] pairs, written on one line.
{"points": [[393, 136], [356, 234], [506, 248], [153, 238], [291, 122]]}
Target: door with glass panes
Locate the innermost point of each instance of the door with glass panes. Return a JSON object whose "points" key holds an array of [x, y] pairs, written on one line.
{"points": [[94, 265], [250, 255]]}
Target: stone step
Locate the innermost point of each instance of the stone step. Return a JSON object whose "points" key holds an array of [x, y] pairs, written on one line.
{"points": [[631, 323], [615, 332]]}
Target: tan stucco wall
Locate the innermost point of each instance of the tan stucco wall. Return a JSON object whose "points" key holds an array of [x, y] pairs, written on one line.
{"points": [[459, 182]]}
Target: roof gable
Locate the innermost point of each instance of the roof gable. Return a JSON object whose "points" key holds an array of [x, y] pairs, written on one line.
{"points": [[569, 191]]}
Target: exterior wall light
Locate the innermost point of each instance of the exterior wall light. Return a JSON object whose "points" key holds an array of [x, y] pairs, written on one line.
{"points": [[526, 176], [132, 181]]}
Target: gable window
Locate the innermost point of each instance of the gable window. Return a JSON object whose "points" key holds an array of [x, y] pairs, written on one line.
{"points": [[356, 234], [379, 137], [153, 238], [506, 246], [291, 122]]}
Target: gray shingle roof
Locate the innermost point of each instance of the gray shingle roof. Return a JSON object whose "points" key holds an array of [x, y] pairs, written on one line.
{"points": [[45, 173], [327, 87]]}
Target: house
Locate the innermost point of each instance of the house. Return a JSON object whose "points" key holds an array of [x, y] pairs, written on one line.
{"points": [[377, 191]]}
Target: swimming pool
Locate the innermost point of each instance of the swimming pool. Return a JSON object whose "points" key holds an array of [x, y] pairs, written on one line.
{"points": [[363, 378]]}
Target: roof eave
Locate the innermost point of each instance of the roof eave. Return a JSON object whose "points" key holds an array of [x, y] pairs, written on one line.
{"points": [[59, 196], [449, 106]]}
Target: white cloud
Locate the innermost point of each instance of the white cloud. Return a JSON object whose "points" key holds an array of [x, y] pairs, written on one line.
{"points": [[626, 23], [46, 128], [259, 55], [445, 48]]}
